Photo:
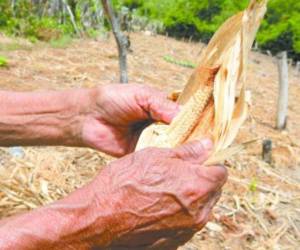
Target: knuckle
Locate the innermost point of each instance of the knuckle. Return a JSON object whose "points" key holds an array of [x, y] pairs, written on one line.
{"points": [[214, 176], [194, 151], [155, 152], [190, 191]]}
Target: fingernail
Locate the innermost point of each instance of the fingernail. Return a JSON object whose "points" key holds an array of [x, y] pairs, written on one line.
{"points": [[207, 143]]}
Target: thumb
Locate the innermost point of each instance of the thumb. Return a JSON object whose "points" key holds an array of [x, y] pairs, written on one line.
{"points": [[196, 151]]}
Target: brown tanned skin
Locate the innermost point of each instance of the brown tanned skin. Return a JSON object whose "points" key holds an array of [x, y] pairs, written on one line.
{"points": [[107, 118], [151, 199]]}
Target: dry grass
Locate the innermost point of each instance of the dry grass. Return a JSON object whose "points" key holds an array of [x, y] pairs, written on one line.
{"points": [[260, 207]]}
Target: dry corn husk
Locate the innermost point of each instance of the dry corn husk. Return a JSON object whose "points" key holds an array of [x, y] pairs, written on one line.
{"points": [[209, 108]]}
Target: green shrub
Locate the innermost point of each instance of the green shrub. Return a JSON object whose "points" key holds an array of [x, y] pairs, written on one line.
{"points": [[36, 29], [281, 28], [14, 46], [97, 33], [192, 18], [3, 61], [180, 18], [182, 63], [61, 42], [27, 22], [200, 19]]}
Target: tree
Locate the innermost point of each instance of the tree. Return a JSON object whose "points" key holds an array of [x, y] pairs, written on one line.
{"points": [[121, 39]]}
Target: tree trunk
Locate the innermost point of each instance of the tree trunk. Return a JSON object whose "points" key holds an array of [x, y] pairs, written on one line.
{"points": [[63, 12], [72, 18], [120, 38], [13, 7], [54, 7]]}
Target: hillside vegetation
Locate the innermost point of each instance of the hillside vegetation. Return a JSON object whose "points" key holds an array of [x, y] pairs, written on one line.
{"points": [[200, 19], [46, 20]]}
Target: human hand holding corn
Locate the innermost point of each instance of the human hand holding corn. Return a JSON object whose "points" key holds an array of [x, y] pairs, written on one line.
{"points": [[151, 199]]}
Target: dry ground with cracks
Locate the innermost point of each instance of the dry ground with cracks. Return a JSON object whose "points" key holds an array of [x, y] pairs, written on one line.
{"points": [[260, 206]]}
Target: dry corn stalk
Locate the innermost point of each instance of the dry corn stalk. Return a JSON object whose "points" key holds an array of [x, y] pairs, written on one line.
{"points": [[208, 101]]}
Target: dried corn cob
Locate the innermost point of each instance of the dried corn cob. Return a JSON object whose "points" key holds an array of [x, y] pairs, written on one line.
{"points": [[182, 126], [209, 107], [205, 124], [158, 135]]}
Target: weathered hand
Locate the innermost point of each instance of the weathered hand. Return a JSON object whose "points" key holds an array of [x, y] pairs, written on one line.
{"points": [[151, 199], [120, 112], [161, 197]]}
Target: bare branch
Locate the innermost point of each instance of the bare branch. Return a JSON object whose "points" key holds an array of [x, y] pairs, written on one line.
{"points": [[120, 38]]}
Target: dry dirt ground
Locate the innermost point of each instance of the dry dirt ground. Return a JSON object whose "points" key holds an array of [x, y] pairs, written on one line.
{"points": [[260, 206]]}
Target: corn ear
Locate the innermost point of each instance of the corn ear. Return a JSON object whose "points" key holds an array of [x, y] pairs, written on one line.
{"points": [[205, 124], [182, 126], [208, 101]]}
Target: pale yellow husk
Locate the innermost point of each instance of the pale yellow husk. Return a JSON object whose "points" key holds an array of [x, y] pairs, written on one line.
{"points": [[209, 106]]}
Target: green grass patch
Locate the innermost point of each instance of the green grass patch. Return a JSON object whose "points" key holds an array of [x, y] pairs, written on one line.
{"points": [[182, 63], [253, 185], [92, 33], [14, 46], [3, 62], [62, 42]]}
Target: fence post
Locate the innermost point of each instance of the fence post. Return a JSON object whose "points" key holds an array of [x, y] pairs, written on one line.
{"points": [[267, 151], [298, 68], [282, 107]]}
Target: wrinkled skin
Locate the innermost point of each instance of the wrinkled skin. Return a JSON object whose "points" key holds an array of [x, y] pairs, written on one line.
{"points": [[119, 114], [164, 196], [151, 199]]}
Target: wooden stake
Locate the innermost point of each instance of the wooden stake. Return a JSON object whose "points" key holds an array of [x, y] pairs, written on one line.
{"points": [[298, 69], [283, 91], [267, 151], [121, 39]]}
